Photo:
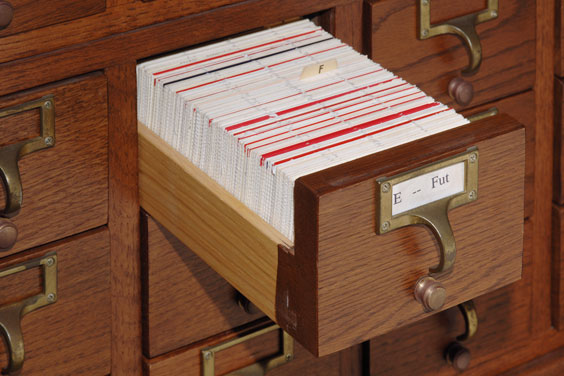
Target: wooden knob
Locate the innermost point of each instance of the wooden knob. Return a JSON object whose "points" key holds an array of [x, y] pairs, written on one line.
{"points": [[430, 293], [461, 91], [458, 356], [246, 305], [6, 14], [8, 234]]}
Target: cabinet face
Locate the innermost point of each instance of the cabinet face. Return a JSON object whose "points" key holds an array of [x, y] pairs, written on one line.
{"points": [[504, 315], [507, 43], [71, 336]]}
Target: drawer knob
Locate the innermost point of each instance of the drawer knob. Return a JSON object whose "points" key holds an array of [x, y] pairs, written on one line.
{"points": [[430, 293], [461, 91], [8, 234], [246, 304], [6, 14], [458, 356]]}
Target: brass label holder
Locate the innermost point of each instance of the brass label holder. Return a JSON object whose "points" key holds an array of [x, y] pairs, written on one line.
{"points": [[11, 314], [464, 27], [433, 214], [11, 154], [257, 369]]}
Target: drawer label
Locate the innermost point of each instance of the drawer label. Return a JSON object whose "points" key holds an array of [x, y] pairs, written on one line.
{"points": [[427, 188], [427, 193]]}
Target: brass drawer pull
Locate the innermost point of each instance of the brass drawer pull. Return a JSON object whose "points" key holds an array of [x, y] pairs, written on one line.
{"points": [[11, 154], [257, 369], [456, 354], [424, 196], [11, 314], [464, 27], [483, 115]]}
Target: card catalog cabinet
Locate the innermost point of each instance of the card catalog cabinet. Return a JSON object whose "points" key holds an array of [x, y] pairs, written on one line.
{"points": [[136, 294]]}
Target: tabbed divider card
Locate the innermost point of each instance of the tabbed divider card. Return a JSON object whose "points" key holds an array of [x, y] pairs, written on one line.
{"points": [[259, 111]]}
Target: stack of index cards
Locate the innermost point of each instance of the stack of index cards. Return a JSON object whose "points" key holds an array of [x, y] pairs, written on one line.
{"points": [[258, 111]]}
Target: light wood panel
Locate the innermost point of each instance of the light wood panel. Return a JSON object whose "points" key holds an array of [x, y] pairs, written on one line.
{"points": [[227, 235]]}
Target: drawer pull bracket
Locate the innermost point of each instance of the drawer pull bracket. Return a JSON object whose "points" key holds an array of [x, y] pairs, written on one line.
{"points": [[11, 314], [11, 154], [424, 196], [464, 27], [257, 369]]}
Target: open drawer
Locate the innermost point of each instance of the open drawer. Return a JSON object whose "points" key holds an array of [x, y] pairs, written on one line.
{"points": [[351, 272]]}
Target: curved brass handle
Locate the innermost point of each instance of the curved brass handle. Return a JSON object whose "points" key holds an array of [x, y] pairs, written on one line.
{"points": [[483, 115], [468, 310], [257, 369], [464, 27], [11, 314], [11, 154]]}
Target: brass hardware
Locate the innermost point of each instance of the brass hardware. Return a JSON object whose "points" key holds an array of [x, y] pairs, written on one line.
{"points": [[257, 369], [433, 214], [461, 91], [8, 234], [430, 293], [6, 14], [464, 27], [456, 354], [11, 314], [468, 311], [11, 154], [483, 115]]}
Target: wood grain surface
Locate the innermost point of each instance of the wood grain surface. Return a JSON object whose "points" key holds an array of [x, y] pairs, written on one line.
{"points": [[123, 220], [142, 43], [20, 127], [558, 171], [184, 299], [73, 335], [508, 64], [504, 325], [187, 361], [521, 107], [65, 188], [557, 271], [363, 288], [29, 15], [559, 39], [226, 234]]}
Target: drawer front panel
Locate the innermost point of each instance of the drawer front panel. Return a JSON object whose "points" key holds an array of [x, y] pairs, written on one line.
{"points": [[72, 335], [29, 15], [189, 361], [185, 300], [65, 187], [508, 47]]}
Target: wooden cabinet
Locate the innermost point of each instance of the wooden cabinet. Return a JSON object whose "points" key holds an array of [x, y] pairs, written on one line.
{"points": [[81, 196]]}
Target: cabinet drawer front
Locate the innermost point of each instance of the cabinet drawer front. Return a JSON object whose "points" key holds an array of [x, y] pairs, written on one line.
{"points": [[72, 336], [508, 47], [188, 361], [65, 187], [184, 299], [29, 15]]}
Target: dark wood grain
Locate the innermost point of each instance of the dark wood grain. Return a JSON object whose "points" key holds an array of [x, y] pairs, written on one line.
{"points": [[521, 107], [343, 21], [65, 188], [557, 290], [141, 43], [550, 364], [73, 335], [20, 127], [29, 15], [508, 43], [123, 221], [187, 361], [558, 39], [558, 171], [544, 141], [185, 300]]}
